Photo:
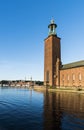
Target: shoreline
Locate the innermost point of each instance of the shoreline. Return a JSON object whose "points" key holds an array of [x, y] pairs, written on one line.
{"points": [[43, 89], [70, 90]]}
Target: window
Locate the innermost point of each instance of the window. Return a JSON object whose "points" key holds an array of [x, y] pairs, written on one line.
{"points": [[51, 28], [63, 80], [63, 77], [68, 77], [73, 76], [47, 76], [79, 76]]}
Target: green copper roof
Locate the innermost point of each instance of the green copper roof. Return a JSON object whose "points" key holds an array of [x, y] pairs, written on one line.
{"points": [[52, 28], [73, 65]]}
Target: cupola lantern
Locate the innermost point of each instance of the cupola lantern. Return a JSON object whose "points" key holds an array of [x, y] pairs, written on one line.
{"points": [[52, 28]]}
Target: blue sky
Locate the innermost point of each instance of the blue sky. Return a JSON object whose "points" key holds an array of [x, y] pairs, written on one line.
{"points": [[23, 28]]}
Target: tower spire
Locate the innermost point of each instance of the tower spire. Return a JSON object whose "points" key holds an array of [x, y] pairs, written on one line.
{"points": [[52, 28]]}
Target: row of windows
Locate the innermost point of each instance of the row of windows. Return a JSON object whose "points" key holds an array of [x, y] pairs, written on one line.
{"points": [[73, 77]]}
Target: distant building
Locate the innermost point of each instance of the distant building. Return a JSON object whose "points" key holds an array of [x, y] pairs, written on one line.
{"points": [[56, 74]]}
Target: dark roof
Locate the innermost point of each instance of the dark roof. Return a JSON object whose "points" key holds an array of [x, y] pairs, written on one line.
{"points": [[73, 65]]}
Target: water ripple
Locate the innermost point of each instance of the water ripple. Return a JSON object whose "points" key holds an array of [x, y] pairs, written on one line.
{"points": [[22, 109]]}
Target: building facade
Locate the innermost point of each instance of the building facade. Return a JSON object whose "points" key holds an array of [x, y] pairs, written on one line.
{"points": [[56, 74]]}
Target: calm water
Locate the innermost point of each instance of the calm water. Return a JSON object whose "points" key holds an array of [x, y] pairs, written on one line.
{"points": [[23, 109]]}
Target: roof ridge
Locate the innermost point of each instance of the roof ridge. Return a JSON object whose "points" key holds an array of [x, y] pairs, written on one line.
{"points": [[74, 62]]}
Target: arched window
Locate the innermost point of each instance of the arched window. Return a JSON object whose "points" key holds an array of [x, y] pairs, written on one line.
{"points": [[73, 76], [80, 76], [68, 77], [63, 77], [63, 80], [47, 76]]}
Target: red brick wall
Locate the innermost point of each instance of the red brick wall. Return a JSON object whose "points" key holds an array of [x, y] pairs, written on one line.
{"points": [[56, 55], [51, 53], [48, 59], [72, 77]]}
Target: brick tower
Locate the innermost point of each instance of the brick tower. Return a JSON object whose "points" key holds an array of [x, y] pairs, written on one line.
{"points": [[52, 57]]}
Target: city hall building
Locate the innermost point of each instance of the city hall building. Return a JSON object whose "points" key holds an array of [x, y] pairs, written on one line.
{"points": [[55, 73]]}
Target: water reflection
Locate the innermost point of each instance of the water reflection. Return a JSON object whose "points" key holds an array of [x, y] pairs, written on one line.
{"points": [[63, 111], [24, 109], [20, 109]]}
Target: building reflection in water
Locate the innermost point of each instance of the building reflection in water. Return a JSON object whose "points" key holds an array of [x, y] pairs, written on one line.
{"points": [[63, 111]]}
